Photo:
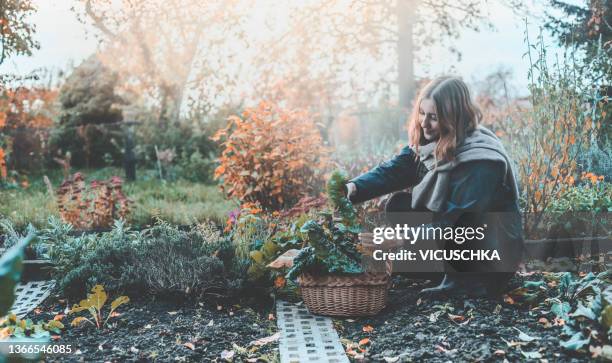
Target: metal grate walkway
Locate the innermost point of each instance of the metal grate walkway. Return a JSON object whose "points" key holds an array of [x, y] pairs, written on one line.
{"points": [[29, 295], [306, 337]]}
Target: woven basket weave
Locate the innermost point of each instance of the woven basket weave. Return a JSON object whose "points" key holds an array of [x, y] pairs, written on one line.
{"points": [[345, 295]]}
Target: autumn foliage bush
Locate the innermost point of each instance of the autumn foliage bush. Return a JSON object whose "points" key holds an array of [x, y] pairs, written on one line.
{"points": [[26, 116], [96, 206], [271, 155]]}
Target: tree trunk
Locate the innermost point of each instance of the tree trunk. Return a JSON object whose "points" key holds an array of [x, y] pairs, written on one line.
{"points": [[406, 11]]}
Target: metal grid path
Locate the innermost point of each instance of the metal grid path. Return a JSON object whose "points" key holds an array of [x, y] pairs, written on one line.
{"points": [[29, 295], [305, 337]]}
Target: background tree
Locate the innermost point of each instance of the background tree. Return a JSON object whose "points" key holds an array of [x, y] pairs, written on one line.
{"points": [[16, 32], [161, 48], [586, 30], [334, 55], [88, 119]]}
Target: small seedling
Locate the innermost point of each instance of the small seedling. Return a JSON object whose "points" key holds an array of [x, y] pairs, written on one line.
{"points": [[94, 303]]}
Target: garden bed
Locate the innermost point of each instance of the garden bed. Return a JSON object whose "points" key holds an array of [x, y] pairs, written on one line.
{"points": [[454, 329], [164, 331]]}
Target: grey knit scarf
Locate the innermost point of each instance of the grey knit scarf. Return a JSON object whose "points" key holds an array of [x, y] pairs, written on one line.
{"points": [[481, 144]]}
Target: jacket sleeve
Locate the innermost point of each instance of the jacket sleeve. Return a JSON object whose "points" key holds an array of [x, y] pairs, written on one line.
{"points": [[389, 176]]}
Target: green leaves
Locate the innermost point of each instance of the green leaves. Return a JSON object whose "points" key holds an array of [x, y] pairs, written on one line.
{"points": [[11, 265], [561, 309], [13, 327], [577, 341], [339, 200]]}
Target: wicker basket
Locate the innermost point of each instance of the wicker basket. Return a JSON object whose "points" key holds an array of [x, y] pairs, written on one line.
{"points": [[345, 295]]}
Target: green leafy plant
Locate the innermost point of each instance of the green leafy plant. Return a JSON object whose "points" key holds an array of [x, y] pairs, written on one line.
{"points": [[170, 261], [328, 242], [583, 209], [581, 305], [93, 304], [13, 327]]}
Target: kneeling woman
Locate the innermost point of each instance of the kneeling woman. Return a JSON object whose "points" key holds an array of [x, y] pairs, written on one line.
{"points": [[459, 171]]}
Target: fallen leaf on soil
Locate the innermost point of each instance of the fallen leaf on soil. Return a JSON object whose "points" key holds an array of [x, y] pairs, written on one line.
{"points": [[364, 341], [512, 343], [433, 317], [77, 321], [558, 322], [367, 328], [456, 318], [279, 282], [58, 317], [524, 337], [544, 322], [595, 351], [189, 345], [227, 354], [497, 309], [284, 260], [531, 355], [266, 340]]}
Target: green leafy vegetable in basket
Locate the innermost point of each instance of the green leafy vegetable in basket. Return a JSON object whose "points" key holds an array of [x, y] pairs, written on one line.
{"points": [[329, 243]]}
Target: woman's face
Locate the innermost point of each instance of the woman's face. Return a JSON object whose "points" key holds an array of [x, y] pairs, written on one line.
{"points": [[428, 119]]}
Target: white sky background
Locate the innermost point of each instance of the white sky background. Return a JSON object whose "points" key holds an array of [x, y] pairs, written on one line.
{"points": [[65, 41]]}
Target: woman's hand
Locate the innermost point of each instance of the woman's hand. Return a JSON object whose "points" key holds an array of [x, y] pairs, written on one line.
{"points": [[351, 189]]}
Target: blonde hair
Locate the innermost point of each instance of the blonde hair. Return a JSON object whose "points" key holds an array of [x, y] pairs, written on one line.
{"points": [[457, 115]]}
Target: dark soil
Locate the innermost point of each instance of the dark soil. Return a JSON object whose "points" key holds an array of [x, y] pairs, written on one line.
{"points": [[148, 331], [409, 329], [413, 330]]}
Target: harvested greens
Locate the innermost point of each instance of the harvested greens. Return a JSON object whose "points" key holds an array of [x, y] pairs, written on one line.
{"points": [[329, 241]]}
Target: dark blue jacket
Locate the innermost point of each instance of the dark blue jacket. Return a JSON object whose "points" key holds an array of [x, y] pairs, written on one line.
{"points": [[477, 196]]}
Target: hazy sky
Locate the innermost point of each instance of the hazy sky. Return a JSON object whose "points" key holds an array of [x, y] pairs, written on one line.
{"points": [[64, 41]]}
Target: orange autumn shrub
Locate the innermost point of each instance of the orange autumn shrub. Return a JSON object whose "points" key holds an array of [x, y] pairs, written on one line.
{"points": [[26, 117], [93, 206], [271, 155]]}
